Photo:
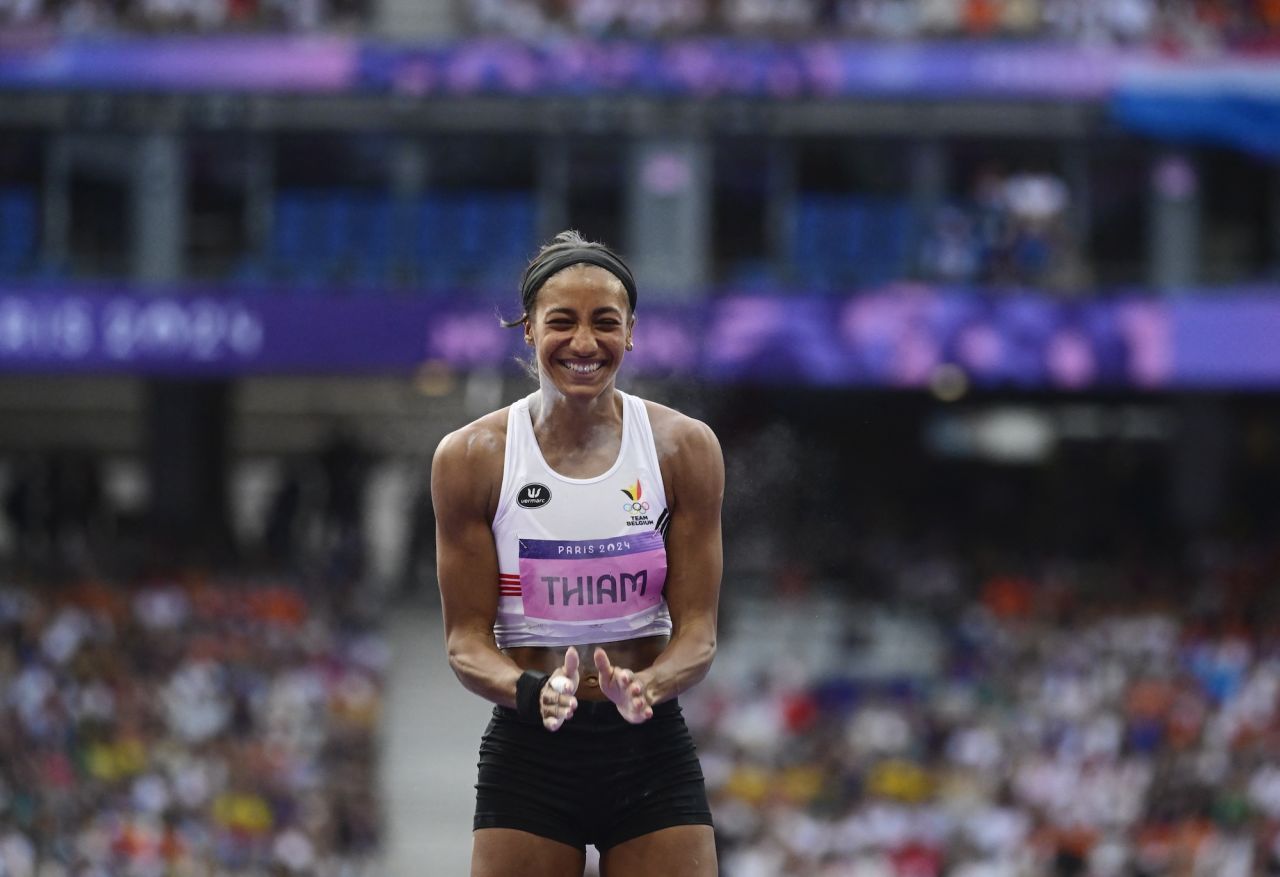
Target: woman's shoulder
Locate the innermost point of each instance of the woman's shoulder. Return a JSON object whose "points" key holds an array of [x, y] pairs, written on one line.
{"points": [[466, 471], [677, 434], [482, 441]]}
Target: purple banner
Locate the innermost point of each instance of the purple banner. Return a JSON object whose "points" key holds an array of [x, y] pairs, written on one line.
{"points": [[208, 332], [185, 63], [690, 67], [1231, 341], [901, 335], [695, 68], [712, 67], [898, 336]]}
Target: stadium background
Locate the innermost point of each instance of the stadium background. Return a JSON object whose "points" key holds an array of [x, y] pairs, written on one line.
{"points": [[981, 296]]}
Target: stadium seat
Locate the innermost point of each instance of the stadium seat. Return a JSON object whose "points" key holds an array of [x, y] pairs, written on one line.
{"points": [[348, 237], [841, 241], [19, 218]]}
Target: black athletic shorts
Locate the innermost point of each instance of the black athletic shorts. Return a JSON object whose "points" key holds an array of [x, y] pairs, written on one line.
{"points": [[598, 780]]}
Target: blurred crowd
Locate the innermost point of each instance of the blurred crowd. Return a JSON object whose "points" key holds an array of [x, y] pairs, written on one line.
{"points": [[1105, 719], [1185, 24], [183, 727], [69, 511], [186, 16], [1013, 229], [54, 506]]}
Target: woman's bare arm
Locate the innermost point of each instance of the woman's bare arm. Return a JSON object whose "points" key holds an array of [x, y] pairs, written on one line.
{"points": [[694, 480], [466, 474]]}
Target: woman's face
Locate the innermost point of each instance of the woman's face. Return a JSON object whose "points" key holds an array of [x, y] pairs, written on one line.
{"points": [[579, 329]]}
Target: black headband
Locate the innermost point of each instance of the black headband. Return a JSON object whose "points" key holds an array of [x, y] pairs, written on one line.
{"points": [[578, 255]]}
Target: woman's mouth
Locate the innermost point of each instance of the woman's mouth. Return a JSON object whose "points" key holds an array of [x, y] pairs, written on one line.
{"points": [[581, 368]]}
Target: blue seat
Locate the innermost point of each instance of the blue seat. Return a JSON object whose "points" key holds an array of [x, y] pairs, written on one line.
{"points": [[289, 233], [337, 228], [842, 241], [750, 275], [855, 222], [820, 248], [19, 220], [366, 254], [471, 238], [514, 232], [427, 263], [316, 236], [887, 242]]}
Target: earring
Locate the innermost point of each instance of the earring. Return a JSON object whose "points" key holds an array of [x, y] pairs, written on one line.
{"points": [[630, 345]]}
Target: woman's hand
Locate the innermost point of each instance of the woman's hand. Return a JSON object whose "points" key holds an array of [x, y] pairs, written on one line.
{"points": [[622, 687], [557, 699]]}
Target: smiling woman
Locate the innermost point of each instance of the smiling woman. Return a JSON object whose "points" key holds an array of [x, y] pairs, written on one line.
{"points": [[581, 328], [582, 521]]}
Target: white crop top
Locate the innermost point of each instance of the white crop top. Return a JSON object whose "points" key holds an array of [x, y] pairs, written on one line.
{"points": [[581, 560]]}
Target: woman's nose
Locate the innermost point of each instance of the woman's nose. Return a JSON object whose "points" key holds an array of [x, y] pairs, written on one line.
{"points": [[584, 340]]}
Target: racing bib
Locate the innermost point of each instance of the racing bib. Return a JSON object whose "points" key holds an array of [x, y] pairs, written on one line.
{"points": [[592, 580]]}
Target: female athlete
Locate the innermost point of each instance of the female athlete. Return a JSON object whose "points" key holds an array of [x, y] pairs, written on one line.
{"points": [[579, 556]]}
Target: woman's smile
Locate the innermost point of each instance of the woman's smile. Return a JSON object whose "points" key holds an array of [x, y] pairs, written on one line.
{"points": [[582, 367]]}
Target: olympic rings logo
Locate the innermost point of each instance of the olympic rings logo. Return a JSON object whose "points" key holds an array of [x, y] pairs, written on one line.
{"points": [[635, 507]]}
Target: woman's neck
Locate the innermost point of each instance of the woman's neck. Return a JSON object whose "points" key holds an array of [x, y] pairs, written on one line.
{"points": [[551, 411]]}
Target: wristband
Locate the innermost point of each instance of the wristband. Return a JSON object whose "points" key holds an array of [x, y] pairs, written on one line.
{"points": [[528, 690]]}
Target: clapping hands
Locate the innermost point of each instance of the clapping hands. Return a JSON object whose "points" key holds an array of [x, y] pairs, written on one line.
{"points": [[623, 688], [628, 693]]}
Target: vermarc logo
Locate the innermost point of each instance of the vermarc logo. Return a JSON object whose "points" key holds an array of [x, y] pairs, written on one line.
{"points": [[533, 496]]}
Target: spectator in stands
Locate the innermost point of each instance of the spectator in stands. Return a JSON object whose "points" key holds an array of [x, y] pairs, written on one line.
{"points": [[285, 518], [1012, 231], [344, 465], [1092, 22], [25, 502], [949, 252], [160, 16], [184, 729], [1130, 739], [420, 555], [53, 504]]}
